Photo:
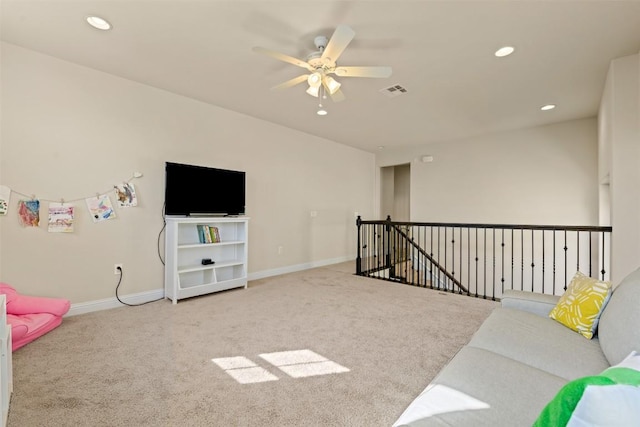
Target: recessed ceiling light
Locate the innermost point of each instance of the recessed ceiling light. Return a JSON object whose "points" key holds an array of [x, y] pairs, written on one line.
{"points": [[99, 23], [548, 107], [380, 147], [504, 51]]}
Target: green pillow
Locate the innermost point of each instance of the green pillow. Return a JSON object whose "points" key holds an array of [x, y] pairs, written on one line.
{"points": [[609, 399]]}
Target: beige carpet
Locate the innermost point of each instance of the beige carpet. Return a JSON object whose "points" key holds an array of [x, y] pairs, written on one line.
{"points": [[151, 365]]}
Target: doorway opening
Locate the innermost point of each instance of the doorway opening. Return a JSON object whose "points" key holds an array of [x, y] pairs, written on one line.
{"points": [[395, 186]]}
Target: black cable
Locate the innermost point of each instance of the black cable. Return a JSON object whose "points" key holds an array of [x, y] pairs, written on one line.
{"points": [[125, 303], [164, 225]]}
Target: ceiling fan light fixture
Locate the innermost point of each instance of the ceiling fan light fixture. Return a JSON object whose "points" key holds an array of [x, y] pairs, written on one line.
{"points": [[332, 84], [313, 91], [314, 80]]}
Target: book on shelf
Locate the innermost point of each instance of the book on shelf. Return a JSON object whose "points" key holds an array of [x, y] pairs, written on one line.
{"points": [[208, 234], [215, 234], [201, 233]]}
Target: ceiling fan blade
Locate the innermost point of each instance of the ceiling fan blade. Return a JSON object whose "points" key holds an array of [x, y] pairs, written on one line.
{"points": [[337, 96], [292, 82], [282, 57], [363, 71], [341, 37]]}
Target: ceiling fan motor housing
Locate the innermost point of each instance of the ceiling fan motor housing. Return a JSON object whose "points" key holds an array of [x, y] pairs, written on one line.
{"points": [[321, 42]]}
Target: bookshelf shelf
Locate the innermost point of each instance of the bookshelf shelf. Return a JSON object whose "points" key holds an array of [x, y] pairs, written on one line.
{"points": [[185, 275]]}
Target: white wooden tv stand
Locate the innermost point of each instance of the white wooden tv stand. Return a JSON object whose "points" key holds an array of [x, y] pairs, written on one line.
{"points": [[184, 273]]}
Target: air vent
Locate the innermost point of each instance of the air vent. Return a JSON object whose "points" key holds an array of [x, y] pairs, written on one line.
{"points": [[393, 91]]}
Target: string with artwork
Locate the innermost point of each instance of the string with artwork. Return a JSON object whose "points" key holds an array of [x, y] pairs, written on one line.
{"points": [[61, 214]]}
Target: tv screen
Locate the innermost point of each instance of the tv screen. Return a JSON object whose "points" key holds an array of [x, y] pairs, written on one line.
{"points": [[197, 190]]}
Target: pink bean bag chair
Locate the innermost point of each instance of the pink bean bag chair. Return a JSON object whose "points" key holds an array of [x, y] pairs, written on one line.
{"points": [[31, 317]]}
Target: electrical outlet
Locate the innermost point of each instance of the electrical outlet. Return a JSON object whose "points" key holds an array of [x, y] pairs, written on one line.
{"points": [[116, 267]]}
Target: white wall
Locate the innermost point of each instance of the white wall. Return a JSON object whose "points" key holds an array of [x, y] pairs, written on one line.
{"points": [[619, 148], [70, 132], [541, 175]]}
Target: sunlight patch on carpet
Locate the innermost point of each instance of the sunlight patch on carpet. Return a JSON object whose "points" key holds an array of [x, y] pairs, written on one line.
{"points": [[243, 370], [251, 375], [296, 364], [233, 362], [303, 363], [312, 369], [292, 357]]}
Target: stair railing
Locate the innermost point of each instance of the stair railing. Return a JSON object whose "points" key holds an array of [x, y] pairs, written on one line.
{"points": [[481, 260]]}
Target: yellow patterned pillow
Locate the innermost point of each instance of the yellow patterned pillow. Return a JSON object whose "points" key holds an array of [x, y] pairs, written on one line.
{"points": [[580, 307]]}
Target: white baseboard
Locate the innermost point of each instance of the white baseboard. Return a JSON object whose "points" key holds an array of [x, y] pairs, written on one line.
{"points": [[299, 267], [108, 303]]}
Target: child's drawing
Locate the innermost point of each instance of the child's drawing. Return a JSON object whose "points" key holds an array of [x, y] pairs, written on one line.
{"points": [[29, 213], [100, 208], [5, 194], [126, 195], [60, 218]]}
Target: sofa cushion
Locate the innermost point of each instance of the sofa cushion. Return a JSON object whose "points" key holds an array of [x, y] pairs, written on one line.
{"points": [[619, 329], [540, 342], [580, 306], [477, 388], [608, 399]]}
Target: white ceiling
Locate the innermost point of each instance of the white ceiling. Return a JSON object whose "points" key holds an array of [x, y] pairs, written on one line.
{"points": [[440, 51]]}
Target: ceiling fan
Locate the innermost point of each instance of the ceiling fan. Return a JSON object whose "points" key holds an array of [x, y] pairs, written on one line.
{"points": [[322, 63]]}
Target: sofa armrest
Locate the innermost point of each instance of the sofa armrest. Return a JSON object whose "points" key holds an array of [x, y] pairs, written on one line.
{"points": [[533, 302]]}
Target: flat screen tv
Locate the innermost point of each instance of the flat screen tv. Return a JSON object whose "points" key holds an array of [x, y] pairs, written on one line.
{"points": [[199, 191]]}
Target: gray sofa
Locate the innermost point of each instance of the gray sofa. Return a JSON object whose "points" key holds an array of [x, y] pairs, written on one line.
{"points": [[519, 359]]}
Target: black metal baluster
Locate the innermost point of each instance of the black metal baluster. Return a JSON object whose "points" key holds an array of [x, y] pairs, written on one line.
{"points": [[513, 279], [522, 259], [590, 254], [484, 264], [431, 253], [424, 263], [577, 250], [532, 261], [502, 264], [447, 281], [460, 260], [359, 254], [603, 258], [453, 257], [543, 261], [468, 261], [554, 263], [493, 280], [477, 283], [565, 259], [438, 259]]}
